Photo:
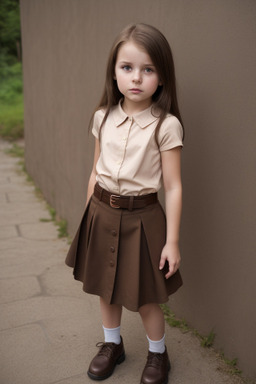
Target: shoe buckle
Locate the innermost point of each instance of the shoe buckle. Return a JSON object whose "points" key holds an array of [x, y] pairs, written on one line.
{"points": [[112, 201]]}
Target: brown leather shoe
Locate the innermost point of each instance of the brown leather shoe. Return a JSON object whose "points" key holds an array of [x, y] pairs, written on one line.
{"points": [[156, 369], [103, 364]]}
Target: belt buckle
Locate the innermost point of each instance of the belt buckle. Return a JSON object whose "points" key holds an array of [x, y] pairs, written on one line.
{"points": [[112, 201]]}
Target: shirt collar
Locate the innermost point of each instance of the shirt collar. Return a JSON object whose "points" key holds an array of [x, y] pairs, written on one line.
{"points": [[143, 119]]}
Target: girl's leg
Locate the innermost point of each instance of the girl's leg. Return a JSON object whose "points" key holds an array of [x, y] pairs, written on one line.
{"points": [[111, 320], [153, 321], [111, 314], [158, 364], [112, 351]]}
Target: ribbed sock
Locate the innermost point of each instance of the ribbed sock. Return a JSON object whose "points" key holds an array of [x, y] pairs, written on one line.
{"points": [[112, 335], [157, 346]]}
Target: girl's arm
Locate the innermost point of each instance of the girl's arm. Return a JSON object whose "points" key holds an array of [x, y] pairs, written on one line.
{"points": [[92, 179], [171, 168]]}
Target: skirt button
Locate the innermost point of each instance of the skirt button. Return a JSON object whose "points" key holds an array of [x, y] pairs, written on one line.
{"points": [[114, 232], [112, 249]]}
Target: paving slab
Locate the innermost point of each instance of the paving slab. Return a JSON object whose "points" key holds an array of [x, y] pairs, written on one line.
{"points": [[48, 326]]}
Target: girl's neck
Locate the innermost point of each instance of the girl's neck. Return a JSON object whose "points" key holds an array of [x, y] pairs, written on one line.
{"points": [[132, 108]]}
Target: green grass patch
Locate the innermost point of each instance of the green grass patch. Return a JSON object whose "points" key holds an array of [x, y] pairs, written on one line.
{"points": [[62, 228], [11, 101], [12, 120], [172, 320], [205, 341], [62, 225], [232, 365], [16, 151]]}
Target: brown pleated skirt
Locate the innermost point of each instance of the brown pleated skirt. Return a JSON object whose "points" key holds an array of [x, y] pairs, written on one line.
{"points": [[115, 254]]}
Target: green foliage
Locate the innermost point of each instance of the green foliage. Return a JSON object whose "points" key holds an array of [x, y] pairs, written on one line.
{"points": [[52, 212], [10, 36], [11, 87], [62, 228], [11, 101], [207, 341], [10, 81], [232, 364], [12, 121], [171, 319], [16, 151]]}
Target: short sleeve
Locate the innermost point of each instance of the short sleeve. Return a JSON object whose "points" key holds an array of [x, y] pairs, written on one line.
{"points": [[170, 134], [97, 120]]}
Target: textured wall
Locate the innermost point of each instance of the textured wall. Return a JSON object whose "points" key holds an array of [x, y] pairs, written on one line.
{"points": [[65, 47]]}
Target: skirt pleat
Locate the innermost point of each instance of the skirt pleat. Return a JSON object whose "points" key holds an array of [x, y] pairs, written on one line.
{"points": [[115, 254]]}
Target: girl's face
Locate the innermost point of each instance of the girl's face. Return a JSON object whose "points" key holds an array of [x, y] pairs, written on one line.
{"points": [[136, 76]]}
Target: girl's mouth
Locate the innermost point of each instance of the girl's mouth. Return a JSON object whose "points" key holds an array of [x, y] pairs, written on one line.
{"points": [[135, 90]]}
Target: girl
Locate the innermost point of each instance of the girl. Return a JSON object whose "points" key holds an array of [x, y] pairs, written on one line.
{"points": [[126, 250]]}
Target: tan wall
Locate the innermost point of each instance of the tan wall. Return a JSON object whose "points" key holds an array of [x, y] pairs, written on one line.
{"points": [[65, 46]]}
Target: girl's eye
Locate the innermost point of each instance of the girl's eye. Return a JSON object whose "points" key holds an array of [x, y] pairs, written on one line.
{"points": [[127, 68], [148, 70]]}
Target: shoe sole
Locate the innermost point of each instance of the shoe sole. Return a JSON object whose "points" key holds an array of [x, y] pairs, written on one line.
{"points": [[120, 360]]}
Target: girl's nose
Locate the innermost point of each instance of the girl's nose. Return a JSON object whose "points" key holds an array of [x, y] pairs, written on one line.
{"points": [[137, 77]]}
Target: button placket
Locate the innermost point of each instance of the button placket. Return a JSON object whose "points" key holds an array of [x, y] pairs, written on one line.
{"points": [[123, 144], [113, 248], [111, 254]]}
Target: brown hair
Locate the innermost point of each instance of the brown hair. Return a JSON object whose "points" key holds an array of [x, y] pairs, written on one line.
{"points": [[158, 48]]}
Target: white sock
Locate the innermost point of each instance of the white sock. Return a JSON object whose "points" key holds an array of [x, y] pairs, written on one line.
{"points": [[112, 335], [157, 346]]}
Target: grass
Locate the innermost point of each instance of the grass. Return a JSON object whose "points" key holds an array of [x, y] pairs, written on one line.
{"points": [[62, 225], [16, 151], [11, 101], [12, 120], [171, 319], [232, 364], [205, 341]]}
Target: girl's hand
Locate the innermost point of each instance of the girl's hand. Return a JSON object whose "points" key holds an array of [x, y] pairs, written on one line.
{"points": [[170, 253]]}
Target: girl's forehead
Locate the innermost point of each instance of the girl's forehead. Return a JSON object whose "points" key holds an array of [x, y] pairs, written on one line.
{"points": [[130, 51]]}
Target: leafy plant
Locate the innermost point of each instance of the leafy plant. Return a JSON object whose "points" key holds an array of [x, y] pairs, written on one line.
{"points": [[10, 36], [207, 341], [11, 87], [11, 102], [62, 228]]}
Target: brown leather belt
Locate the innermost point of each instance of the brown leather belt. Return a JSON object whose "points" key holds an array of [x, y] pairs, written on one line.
{"points": [[124, 202]]}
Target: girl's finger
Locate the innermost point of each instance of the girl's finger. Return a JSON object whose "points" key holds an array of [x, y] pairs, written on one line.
{"points": [[172, 270], [162, 263]]}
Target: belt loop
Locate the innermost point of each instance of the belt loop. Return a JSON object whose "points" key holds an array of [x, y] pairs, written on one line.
{"points": [[100, 191], [130, 206]]}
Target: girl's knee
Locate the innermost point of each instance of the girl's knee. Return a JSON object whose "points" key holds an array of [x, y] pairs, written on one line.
{"points": [[147, 309]]}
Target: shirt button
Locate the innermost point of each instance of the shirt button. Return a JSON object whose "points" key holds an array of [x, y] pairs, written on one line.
{"points": [[112, 249], [130, 118], [114, 232]]}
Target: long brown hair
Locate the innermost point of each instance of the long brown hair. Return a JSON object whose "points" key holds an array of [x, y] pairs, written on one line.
{"points": [[158, 48]]}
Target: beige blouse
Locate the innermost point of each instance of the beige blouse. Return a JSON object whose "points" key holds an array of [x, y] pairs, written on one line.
{"points": [[130, 160]]}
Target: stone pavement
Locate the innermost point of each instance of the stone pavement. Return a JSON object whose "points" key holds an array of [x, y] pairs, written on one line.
{"points": [[48, 325]]}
